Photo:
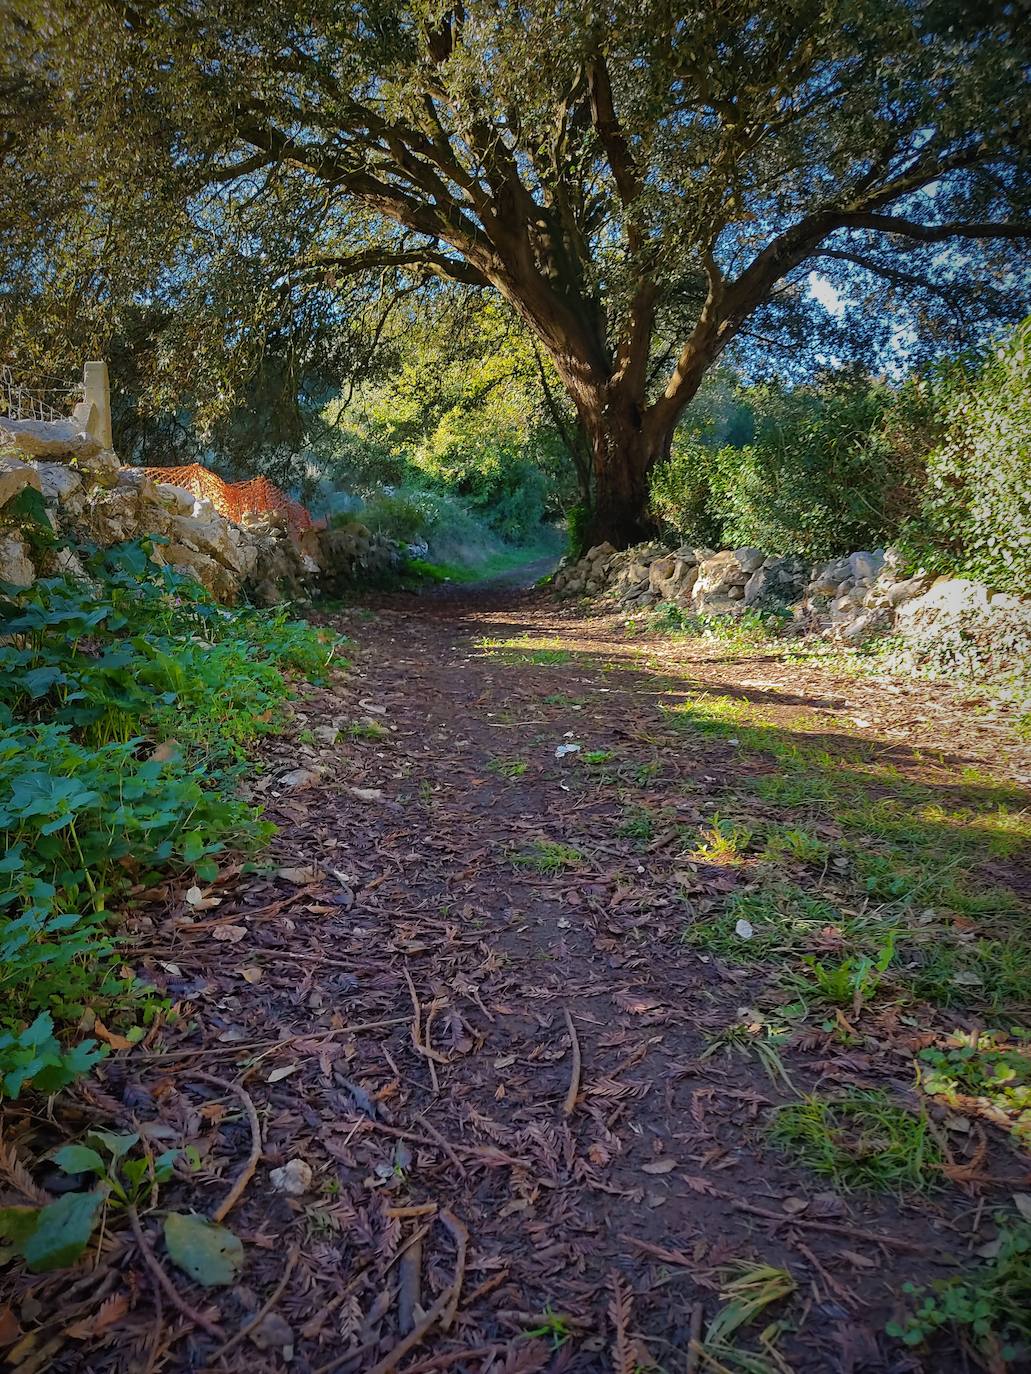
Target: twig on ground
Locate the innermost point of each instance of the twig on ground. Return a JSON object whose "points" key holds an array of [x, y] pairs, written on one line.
{"points": [[390, 1362], [574, 1074], [695, 1338], [241, 1047], [833, 1286], [263, 1310], [435, 1139], [444, 1145], [167, 1286], [460, 1235], [409, 1292], [432, 1056], [247, 1172], [836, 1228], [452, 1357]]}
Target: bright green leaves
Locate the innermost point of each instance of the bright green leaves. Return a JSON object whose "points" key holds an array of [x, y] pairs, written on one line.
{"points": [[127, 1181], [35, 1056], [94, 676], [54, 1236], [209, 1254]]}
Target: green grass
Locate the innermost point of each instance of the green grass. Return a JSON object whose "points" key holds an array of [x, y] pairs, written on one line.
{"points": [[784, 921], [638, 824], [722, 841], [548, 856], [991, 975], [792, 842], [918, 858], [490, 563], [860, 1140], [366, 730], [547, 653], [508, 768]]}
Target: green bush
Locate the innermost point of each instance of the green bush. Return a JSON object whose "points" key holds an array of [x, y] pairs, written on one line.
{"points": [[975, 513], [92, 678], [940, 465], [825, 471]]}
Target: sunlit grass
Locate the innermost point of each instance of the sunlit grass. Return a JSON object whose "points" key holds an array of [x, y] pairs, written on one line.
{"points": [[859, 1140]]}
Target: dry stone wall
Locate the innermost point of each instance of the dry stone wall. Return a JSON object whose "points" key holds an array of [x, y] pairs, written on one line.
{"points": [[88, 495], [850, 598]]}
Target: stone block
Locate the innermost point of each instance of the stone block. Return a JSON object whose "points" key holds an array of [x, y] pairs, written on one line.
{"points": [[15, 476]]}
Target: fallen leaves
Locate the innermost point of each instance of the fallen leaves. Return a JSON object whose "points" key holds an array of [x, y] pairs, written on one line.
{"points": [[659, 1166], [229, 934], [210, 1254]]}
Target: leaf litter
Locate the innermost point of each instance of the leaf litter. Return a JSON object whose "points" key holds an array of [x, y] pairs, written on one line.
{"points": [[468, 1115]]}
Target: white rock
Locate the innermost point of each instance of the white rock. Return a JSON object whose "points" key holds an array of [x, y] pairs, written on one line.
{"points": [[866, 565], [49, 438], [299, 777], [178, 499], [15, 476], [293, 1178], [16, 567], [59, 482], [749, 559], [948, 598]]}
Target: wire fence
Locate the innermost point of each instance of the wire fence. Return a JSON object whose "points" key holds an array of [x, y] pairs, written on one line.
{"points": [[24, 397]]}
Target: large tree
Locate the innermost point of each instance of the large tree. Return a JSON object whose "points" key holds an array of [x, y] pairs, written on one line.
{"points": [[642, 182]]}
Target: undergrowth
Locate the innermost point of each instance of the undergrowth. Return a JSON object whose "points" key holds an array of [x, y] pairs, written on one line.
{"points": [[859, 1140], [127, 704]]}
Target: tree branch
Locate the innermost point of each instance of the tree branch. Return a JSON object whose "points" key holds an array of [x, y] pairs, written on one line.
{"points": [[935, 233], [453, 269]]}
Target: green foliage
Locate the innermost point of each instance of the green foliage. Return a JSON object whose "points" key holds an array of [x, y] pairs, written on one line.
{"points": [[94, 676], [849, 983], [991, 1304], [940, 465], [54, 1236], [860, 1140], [751, 628], [824, 471], [975, 514], [984, 1067], [548, 856]]}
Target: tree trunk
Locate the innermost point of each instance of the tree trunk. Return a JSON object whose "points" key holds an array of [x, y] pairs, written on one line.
{"points": [[624, 451]]}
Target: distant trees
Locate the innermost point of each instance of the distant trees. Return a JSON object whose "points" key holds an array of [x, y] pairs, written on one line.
{"points": [[643, 184]]}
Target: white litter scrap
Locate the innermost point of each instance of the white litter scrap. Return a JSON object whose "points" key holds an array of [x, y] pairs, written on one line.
{"points": [[563, 749]]}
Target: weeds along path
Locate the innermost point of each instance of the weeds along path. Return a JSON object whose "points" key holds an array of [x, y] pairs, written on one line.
{"points": [[589, 978]]}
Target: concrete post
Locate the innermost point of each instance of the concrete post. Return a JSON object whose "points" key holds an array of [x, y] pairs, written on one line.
{"points": [[96, 391]]}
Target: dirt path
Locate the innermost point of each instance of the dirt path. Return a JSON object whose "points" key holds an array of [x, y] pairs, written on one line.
{"points": [[460, 1045]]}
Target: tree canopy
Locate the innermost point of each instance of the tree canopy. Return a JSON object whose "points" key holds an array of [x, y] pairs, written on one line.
{"points": [[643, 184]]}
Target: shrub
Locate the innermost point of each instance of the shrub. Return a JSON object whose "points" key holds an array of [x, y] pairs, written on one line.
{"points": [[825, 471], [92, 678], [975, 514]]}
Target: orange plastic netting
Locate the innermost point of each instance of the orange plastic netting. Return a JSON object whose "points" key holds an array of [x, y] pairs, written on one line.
{"points": [[234, 499]]}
